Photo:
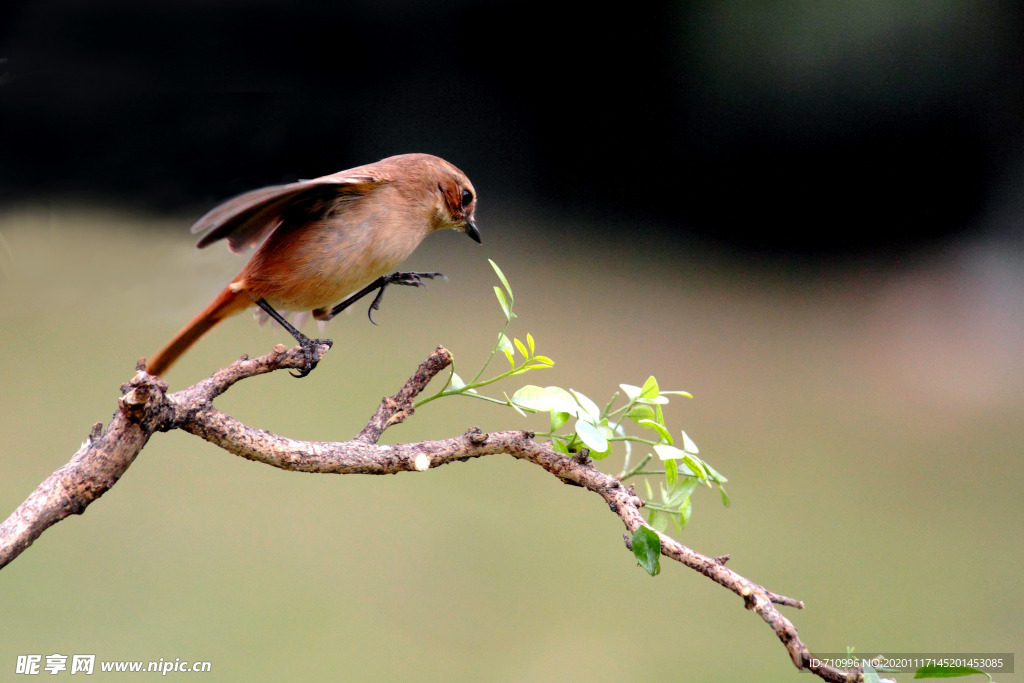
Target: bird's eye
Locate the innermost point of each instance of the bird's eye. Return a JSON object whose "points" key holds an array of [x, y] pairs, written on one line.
{"points": [[467, 198]]}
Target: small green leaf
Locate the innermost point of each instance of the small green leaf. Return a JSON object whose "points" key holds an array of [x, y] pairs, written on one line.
{"points": [[504, 344], [725, 496], [514, 406], [522, 348], [675, 497], [529, 342], [688, 445], [714, 474], [558, 419], [696, 466], [632, 392], [532, 397], [647, 549], [935, 671], [685, 510], [502, 279], [870, 675], [671, 473], [650, 388], [657, 519], [667, 452], [684, 394], [503, 302], [651, 424], [591, 436], [639, 412], [559, 445], [542, 359], [544, 399], [589, 407]]}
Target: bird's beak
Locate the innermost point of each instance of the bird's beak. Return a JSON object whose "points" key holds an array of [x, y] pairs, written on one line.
{"points": [[469, 227]]}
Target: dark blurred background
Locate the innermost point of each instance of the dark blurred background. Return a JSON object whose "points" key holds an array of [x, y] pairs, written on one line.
{"points": [[799, 127]]}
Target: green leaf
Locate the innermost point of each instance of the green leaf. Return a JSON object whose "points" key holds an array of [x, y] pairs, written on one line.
{"points": [[514, 406], [725, 496], [684, 394], [639, 412], [532, 397], [632, 392], [589, 407], [651, 424], [543, 360], [657, 519], [647, 549], [591, 436], [714, 474], [503, 302], [685, 511], [504, 344], [935, 671], [559, 445], [671, 473], [529, 342], [667, 452], [650, 388], [870, 675], [696, 466], [558, 419], [522, 348], [688, 445], [677, 496], [545, 399], [502, 279]]}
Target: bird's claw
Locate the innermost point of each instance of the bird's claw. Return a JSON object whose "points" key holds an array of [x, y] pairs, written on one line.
{"points": [[408, 279], [311, 352]]}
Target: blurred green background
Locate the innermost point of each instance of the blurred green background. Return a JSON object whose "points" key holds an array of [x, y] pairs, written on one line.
{"points": [[807, 214], [869, 421]]}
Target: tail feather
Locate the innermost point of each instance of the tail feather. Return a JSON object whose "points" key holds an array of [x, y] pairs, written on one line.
{"points": [[227, 303]]}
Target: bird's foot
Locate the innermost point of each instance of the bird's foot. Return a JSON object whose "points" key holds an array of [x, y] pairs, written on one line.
{"points": [[311, 352], [407, 279]]}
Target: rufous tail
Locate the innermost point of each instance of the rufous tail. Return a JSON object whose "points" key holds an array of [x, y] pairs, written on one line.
{"points": [[227, 303]]}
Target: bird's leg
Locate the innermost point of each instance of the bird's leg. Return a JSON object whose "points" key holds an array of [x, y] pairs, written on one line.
{"points": [[409, 279], [310, 347]]}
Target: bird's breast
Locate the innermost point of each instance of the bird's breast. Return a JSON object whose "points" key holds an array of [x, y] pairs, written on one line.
{"points": [[321, 263]]}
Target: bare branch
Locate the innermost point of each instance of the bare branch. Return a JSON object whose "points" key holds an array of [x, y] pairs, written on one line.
{"points": [[145, 408]]}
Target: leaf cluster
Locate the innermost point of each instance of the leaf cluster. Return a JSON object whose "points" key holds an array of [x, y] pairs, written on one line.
{"points": [[576, 423]]}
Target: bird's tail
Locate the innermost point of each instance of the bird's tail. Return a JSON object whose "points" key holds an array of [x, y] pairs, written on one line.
{"points": [[227, 303]]}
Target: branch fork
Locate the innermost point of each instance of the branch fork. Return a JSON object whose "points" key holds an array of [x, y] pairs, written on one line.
{"points": [[146, 408]]}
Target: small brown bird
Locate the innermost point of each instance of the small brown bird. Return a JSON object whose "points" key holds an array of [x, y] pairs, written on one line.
{"points": [[328, 240]]}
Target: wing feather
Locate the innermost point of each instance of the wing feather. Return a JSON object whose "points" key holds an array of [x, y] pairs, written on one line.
{"points": [[249, 218]]}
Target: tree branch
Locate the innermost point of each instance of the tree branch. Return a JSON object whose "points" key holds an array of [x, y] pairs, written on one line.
{"points": [[145, 408]]}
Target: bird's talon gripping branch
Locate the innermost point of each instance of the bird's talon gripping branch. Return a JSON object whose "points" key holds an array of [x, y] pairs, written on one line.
{"points": [[310, 347], [311, 351]]}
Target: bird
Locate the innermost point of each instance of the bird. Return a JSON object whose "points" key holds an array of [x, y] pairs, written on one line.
{"points": [[325, 243]]}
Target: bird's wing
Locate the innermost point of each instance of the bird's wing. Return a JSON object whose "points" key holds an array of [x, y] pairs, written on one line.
{"points": [[249, 218]]}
